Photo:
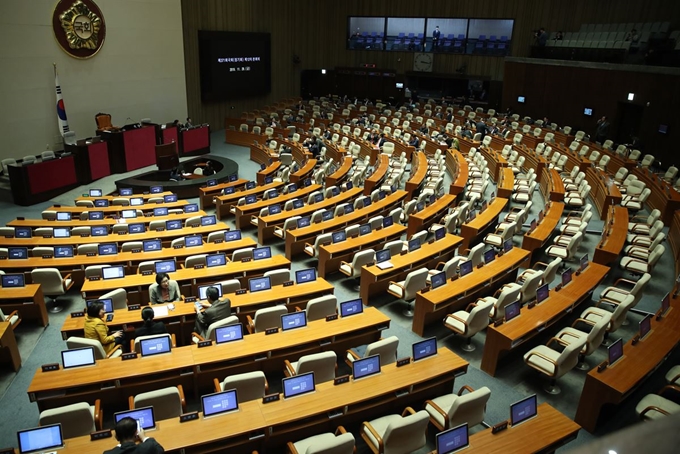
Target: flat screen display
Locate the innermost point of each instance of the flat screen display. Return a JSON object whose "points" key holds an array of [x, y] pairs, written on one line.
{"points": [[101, 203], [367, 201], [173, 225], [413, 245], [465, 268], [665, 303], [108, 249], [566, 277], [293, 320], [229, 333], [351, 307], [272, 194], [229, 190], [62, 232], [327, 215], [303, 222], [584, 262], [233, 64], [453, 440], [63, 216], [17, 253], [232, 235], [216, 260], [156, 189], [155, 345], [136, 228], [489, 256], [12, 280], [387, 221], [204, 288], [95, 215], [274, 209], [43, 438], [259, 284], [77, 357], [208, 220], [162, 211], [304, 276], [219, 403], [99, 230], [151, 245], [339, 237], [615, 351], [165, 266], [211, 183], [129, 214], [512, 310], [439, 233], [23, 232], [364, 229], [113, 272], [261, 253], [297, 203], [63, 251], [95, 192], [298, 385], [507, 245], [136, 201], [365, 367], [437, 280], [349, 209], [542, 293], [250, 185], [424, 349], [522, 410], [268, 180], [193, 240], [125, 191], [520, 99], [587, 111], [383, 255], [645, 326], [190, 208], [144, 415], [107, 302]]}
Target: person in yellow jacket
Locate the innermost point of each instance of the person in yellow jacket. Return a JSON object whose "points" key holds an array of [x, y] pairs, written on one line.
{"points": [[95, 328]]}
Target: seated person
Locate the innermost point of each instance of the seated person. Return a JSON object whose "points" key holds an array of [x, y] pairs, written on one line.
{"points": [[166, 290], [213, 310], [208, 169], [128, 434], [95, 328], [150, 327]]}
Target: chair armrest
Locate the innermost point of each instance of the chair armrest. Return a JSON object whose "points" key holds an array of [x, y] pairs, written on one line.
{"points": [[63, 281], [582, 320], [200, 338], [217, 384], [398, 285], [653, 408], [13, 314], [628, 281], [557, 340], [131, 402], [465, 388], [116, 348], [250, 325], [181, 397], [671, 387], [353, 354], [471, 306], [459, 319], [98, 414], [367, 426], [291, 448], [173, 339], [542, 356], [439, 410], [288, 368], [408, 411], [567, 334]]}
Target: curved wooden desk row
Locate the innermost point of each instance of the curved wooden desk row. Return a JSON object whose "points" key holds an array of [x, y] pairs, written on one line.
{"points": [[552, 186], [663, 197], [418, 173], [532, 241], [613, 237], [110, 198], [223, 203], [374, 280], [457, 167], [603, 391], [269, 426], [267, 224], [341, 174], [500, 340], [296, 238], [245, 212], [431, 214], [293, 296], [187, 277], [28, 300], [433, 305], [603, 191], [115, 209], [533, 161], [107, 221], [207, 194], [382, 164], [674, 240], [482, 223]]}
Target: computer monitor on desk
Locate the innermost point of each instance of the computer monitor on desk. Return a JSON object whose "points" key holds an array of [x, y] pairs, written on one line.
{"points": [[413, 244], [465, 268], [17, 253], [144, 415], [162, 211], [13, 280], [151, 245], [107, 302], [193, 240], [190, 208], [305, 276], [645, 326], [99, 230], [204, 288], [165, 266], [437, 280], [129, 214], [583, 262], [298, 385], [40, 439], [512, 310], [136, 228], [216, 260], [262, 253], [155, 345], [23, 232], [232, 235], [566, 277], [95, 215], [424, 349], [351, 307], [293, 320], [78, 357], [229, 333], [523, 410], [542, 293], [453, 440], [125, 191], [101, 203], [365, 367], [258, 284], [219, 403], [489, 256], [136, 201], [62, 232], [113, 272], [615, 352]]}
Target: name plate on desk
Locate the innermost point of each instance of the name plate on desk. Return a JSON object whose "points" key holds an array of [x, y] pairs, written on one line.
{"points": [[50, 367], [134, 307], [77, 314], [340, 380], [127, 356], [136, 250], [47, 236], [93, 278], [100, 434], [3, 258], [219, 241], [47, 256], [403, 361], [84, 235], [160, 229], [271, 398], [271, 331], [602, 366], [288, 283], [425, 290], [531, 304], [330, 318], [205, 343], [91, 254], [9, 236], [121, 232], [245, 259], [498, 322], [178, 246], [501, 426], [184, 417], [147, 273], [241, 291], [190, 299], [199, 267]]}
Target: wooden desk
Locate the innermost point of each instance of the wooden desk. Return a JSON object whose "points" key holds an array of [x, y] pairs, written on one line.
{"points": [[431, 214], [140, 283], [433, 305], [418, 173], [533, 161], [224, 202], [339, 175], [614, 236], [111, 197], [114, 209], [381, 167], [267, 224], [507, 182], [544, 229], [206, 194], [663, 197], [28, 300], [270, 170], [508, 336], [244, 212], [556, 186], [602, 391], [9, 351], [603, 191], [296, 238], [108, 221], [374, 280], [549, 430], [458, 169], [304, 172], [497, 163], [331, 255], [483, 222]]}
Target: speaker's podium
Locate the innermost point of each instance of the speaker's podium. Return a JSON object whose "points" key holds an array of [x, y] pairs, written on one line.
{"points": [[167, 157]]}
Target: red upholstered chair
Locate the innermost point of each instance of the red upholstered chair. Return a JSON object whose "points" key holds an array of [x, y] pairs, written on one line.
{"points": [[104, 122]]}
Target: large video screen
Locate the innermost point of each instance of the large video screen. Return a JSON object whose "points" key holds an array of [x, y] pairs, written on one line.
{"points": [[234, 64]]}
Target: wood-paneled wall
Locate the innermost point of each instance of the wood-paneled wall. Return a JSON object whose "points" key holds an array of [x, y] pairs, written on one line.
{"points": [[315, 30]]}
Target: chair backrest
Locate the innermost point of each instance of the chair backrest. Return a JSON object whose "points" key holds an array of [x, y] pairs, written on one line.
{"points": [[231, 320], [76, 419], [551, 270], [476, 254], [340, 444], [509, 295], [278, 277], [138, 340], [479, 316], [269, 317], [596, 334], [248, 386], [620, 312], [240, 254], [530, 285], [361, 258], [321, 307], [386, 348], [50, 279], [119, 298], [230, 285], [569, 356], [414, 282], [322, 364], [82, 342], [166, 402], [469, 407], [406, 434]]}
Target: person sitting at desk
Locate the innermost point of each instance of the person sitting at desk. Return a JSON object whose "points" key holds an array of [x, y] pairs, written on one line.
{"points": [[165, 291], [95, 328], [128, 433], [150, 327], [208, 169], [211, 311], [414, 142]]}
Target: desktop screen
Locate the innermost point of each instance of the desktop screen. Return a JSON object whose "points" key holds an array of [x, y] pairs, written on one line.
{"points": [[339, 237], [229, 190], [229, 333], [293, 320], [318, 198], [645, 325], [233, 177], [507, 245], [453, 439], [274, 209], [261, 253], [203, 289], [43, 438], [107, 302], [250, 185], [351, 307], [77, 357], [216, 260], [566, 277], [439, 233], [364, 229], [95, 192], [101, 203], [437, 280], [12, 280], [156, 189], [303, 276], [365, 367], [17, 253], [108, 249], [298, 385], [95, 215], [542, 293], [155, 345], [151, 245], [258, 284], [165, 266], [297, 203], [144, 415], [251, 199], [99, 230], [465, 268], [190, 208], [615, 351], [162, 211], [136, 228], [23, 232], [62, 232], [489, 256], [424, 349], [113, 272], [63, 216], [292, 187], [383, 255], [584, 262], [303, 222], [136, 201], [128, 214], [388, 221], [349, 209], [327, 215], [413, 245], [523, 410], [173, 225], [512, 310], [193, 240], [219, 403], [208, 220], [232, 235], [665, 303], [125, 191], [63, 251]]}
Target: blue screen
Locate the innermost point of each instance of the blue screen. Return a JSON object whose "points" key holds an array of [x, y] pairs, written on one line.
{"points": [[160, 211], [166, 266], [259, 283], [364, 367], [351, 307], [95, 215], [424, 349], [298, 384], [136, 228], [99, 230], [216, 260], [155, 345], [293, 320], [152, 245], [193, 240], [108, 249], [303, 276], [218, 403]]}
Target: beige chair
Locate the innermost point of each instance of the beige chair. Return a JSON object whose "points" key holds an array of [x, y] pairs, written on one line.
{"points": [[341, 442], [593, 331], [320, 240], [353, 269], [39, 251], [530, 285], [673, 376], [396, 434], [268, 317], [130, 245], [13, 318], [191, 261], [149, 265], [210, 333], [386, 348], [656, 406], [53, 284], [322, 364], [76, 420], [243, 253], [638, 266], [248, 386], [617, 317], [567, 252], [120, 201], [407, 289], [548, 271], [118, 297], [230, 286], [449, 268], [82, 342], [641, 225], [469, 322], [505, 295], [616, 293], [321, 307], [278, 277], [555, 363], [451, 410], [49, 215], [194, 221], [215, 236], [167, 403]]}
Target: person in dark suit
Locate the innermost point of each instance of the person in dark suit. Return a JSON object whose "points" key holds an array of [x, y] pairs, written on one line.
{"points": [[166, 291], [481, 128], [150, 327], [436, 34], [128, 434], [382, 140], [212, 310]]}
